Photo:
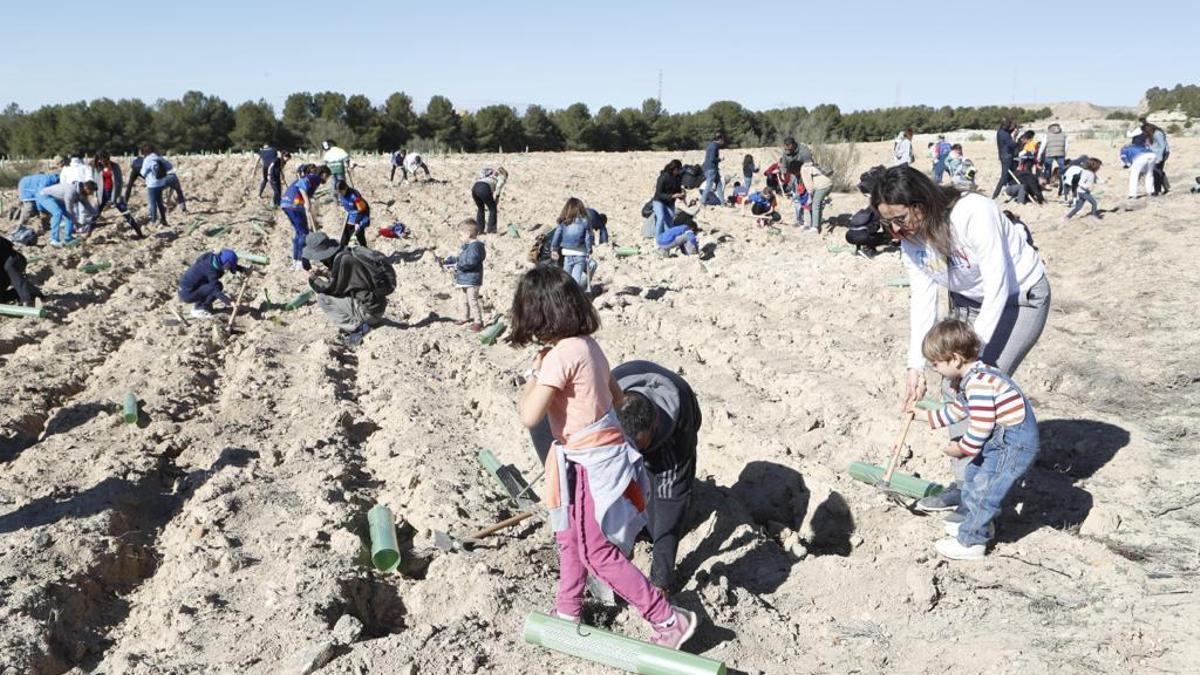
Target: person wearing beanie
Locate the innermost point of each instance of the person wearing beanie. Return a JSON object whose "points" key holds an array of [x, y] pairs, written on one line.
{"points": [[201, 283]]}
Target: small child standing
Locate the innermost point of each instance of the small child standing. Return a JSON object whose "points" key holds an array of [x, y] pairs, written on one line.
{"points": [[1083, 189], [596, 483], [358, 214], [468, 272], [748, 171], [572, 239], [1001, 437]]}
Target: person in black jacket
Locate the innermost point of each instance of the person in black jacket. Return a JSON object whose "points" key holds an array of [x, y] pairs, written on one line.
{"points": [[201, 283], [345, 287], [667, 189], [15, 286], [1006, 148]]}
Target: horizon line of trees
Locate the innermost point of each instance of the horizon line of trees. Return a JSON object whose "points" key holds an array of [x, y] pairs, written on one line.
{"points": [[197, 122]]}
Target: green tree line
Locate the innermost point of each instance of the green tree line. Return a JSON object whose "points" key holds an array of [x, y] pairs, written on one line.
{"points": [[1186, 98], [197, 122]]}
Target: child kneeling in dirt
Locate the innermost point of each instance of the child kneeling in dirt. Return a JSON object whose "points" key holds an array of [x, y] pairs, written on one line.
{"points": [[1001, 437], [201, 283], [468, 272]]}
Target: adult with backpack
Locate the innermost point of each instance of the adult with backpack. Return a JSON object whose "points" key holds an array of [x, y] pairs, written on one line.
{"points": [[352, 285], [902, 148], [996, 280], [667, 189], [1006, 148], [155, 169], [486, 193], [714, 190]]}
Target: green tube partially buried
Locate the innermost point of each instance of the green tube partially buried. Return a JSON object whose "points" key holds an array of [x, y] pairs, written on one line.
{"points": [[907, 485], [513, 231], [385, 550], [489, 334], [129, 412], [299, 301], [18, 310], [253, 258], [627, 251], [214, 231], [260, 229], [616, 651]]}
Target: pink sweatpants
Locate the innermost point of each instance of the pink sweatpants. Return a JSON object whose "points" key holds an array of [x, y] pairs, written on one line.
{"points": [[583, 548]]}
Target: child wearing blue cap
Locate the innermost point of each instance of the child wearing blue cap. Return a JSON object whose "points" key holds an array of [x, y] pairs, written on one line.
{"points": [[201, 283]]}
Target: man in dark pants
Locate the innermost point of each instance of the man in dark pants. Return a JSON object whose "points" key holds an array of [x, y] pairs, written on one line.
{"points": [[15, 286], [267, 156], [135, 172], [1006, 147]]}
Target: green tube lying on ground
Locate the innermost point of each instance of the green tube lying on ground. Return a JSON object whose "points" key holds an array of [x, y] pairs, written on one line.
{"points": [[260, 229], [385, 550], [214, 231], [195, 225], [129, 412], [92, 268], [513, 231], [902, 483], [299, 301], [899, 282], [489, 334], [252, 258], [616, 651], [18, 310], [627, 251], [928, 404]]}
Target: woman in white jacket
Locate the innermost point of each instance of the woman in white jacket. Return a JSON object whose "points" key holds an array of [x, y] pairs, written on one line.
{"points": [[995, 278]]}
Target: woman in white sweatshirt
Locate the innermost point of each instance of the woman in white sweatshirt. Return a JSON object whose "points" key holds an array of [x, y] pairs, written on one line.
{"points": [[995, 278]]}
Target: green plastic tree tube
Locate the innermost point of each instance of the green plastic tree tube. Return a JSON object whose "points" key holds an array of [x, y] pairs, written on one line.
{"points": [[929, 404], [299, 301], [898, 282], [214, 231], [252, 258], [627, 251], [774, 230], [260, 229], [92, 268], [195, 225], [489, 334], [902, 483], [385, 551], [18, 310], [837, 248], [616, 651], [513, 231], [129, 412]]}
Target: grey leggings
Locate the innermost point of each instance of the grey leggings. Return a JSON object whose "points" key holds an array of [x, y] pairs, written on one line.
{"points": [[1020, 326]]}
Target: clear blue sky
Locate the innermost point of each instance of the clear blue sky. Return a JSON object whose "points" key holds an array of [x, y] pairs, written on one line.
{"points": [[855, 53]]}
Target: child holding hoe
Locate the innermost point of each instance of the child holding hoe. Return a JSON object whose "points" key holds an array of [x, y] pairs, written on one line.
{"points": [[596, 484], [1001, 437]]}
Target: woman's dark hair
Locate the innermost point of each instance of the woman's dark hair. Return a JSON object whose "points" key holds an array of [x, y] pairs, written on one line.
{"points": [[573, 210], [673, 166], [324, 171], [906, 186], [550, 306], [956, 146], [1028, 134], [341, 187], [147, 149], [1093, 164]]}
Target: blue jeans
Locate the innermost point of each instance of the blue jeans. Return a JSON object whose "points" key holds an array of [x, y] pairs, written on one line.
{"points": [[939, 168], [577, 267], [664, 217], [991, 475], [712, 184], [686, 242], [58, 213], [154, 196], [747, 181], [1047, 162], [300, 230], [1080, 198]]}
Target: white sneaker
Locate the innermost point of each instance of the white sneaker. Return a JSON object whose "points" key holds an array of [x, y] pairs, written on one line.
{"points": [[199, 313], [809, 229], [297, 266], [950, 548], [56, 243], [951, 528]]}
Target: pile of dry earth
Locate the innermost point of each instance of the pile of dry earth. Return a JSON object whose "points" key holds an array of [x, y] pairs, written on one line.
{"points": [[225, 531]]}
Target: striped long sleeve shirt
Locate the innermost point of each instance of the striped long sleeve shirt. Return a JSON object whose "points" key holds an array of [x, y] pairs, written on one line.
{"points": [[989, 401]]}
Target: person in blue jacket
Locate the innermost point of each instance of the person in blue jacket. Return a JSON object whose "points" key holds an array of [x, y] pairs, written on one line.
{"points": [[297, 206], [155, 169], [27, 191], [201, 283], [712, 171], [468, 272], [571, 242], [267, 157], [682, 237], [358, 213]]}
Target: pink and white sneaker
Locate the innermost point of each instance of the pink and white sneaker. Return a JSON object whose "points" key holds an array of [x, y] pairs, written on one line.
{"points": [[678, 629]]}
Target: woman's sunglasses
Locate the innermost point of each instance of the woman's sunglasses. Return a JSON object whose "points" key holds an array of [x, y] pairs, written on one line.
{"points": [[895, 221]]}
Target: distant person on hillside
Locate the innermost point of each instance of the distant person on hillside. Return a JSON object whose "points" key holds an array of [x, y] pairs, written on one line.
{"points": [[714, 189], [1083, 189], [1054, 153], [1162, 151], [155, 169], [486, 193], [1006, 148], [572, 240], [996, 280], [358, 214], [201, 284], [941, 152], [748, 171], [15, 286], [347, 285], [267, 157], [338, 161], [902, 149], [667, 190], [297, 205], [63, 201]]}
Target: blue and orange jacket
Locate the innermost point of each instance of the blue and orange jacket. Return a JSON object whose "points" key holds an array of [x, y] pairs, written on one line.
{"points": [[358, 212]]}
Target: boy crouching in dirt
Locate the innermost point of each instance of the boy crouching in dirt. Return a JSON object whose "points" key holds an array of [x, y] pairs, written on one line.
{"points": [[1001, 437]]}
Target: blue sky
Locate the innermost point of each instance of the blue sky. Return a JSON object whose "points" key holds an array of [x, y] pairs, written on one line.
{"points": [[857, 54]]}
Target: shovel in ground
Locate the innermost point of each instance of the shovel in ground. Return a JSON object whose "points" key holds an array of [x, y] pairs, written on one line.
{"points": [[891, 481]]}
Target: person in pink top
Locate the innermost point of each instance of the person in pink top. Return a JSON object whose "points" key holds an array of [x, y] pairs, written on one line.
{"points": [[596, 484]]}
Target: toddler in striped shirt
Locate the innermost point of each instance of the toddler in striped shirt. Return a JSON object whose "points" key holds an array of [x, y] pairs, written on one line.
{"points": [[1001, 436]]}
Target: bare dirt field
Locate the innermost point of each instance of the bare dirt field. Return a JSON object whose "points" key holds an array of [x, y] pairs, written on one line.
{"points": [[224, 533]]}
